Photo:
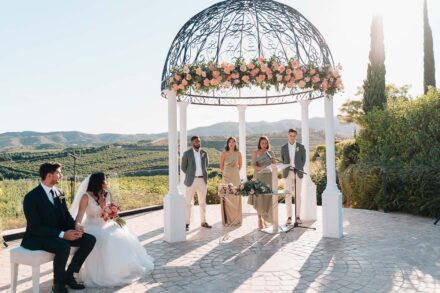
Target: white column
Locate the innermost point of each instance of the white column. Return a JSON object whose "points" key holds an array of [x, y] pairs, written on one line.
{"points": [[331, 197], [242, 139], [183, 107], [174, 202], [308, 188]]}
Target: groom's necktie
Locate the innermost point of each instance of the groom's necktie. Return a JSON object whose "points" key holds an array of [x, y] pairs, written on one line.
{"points": [[55, 202]]}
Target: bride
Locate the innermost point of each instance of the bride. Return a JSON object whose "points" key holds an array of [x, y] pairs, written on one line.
{"points": [[118, 257]]}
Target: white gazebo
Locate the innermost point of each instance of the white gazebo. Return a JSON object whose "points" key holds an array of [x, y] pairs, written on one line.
{"points": [[286, 61]]}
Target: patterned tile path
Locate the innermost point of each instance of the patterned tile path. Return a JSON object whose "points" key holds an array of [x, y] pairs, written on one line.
{"points": [[379, 253]]}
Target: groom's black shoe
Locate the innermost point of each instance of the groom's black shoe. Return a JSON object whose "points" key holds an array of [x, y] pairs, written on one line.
{"points": [[73, 284], [59, 288], [206, 225], [187, 227]]}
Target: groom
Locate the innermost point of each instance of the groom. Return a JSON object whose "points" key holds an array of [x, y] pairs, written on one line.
{"points": [[195, 164], [294, 154], [50, 227]]}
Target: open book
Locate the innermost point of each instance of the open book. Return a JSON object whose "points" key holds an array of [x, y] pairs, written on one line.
{"points": [[274, 167]]}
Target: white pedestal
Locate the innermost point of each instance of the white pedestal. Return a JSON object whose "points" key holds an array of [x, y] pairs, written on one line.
{"points": [[174, 218], [332, 214], [308, 199]]}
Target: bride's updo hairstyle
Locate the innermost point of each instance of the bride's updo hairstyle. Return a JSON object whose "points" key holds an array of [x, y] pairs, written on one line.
{"points": [[95, 183]]}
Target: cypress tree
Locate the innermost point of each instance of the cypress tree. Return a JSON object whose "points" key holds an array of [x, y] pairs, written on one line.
{"points": [[428, 50], [374, 85]]}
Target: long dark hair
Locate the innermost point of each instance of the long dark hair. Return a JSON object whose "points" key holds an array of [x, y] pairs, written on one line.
{"points": [[227, 144], [95, 183], [263, 138]]}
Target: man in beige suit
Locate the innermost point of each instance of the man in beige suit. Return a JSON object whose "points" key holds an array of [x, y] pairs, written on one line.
{"points": [[195, 166], [294, 154]]}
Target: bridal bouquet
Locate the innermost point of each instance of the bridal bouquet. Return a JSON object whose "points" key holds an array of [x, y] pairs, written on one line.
{"points": [[110, 212], [254, 187]]}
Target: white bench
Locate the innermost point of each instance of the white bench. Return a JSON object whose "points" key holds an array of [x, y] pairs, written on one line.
{"points": [[33, 258]]}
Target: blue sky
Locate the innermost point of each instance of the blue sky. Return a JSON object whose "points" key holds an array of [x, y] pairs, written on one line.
{"points": [[95, 66]]}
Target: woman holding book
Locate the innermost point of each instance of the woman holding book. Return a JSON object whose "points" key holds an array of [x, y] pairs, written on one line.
{"points": [[262, 158]]}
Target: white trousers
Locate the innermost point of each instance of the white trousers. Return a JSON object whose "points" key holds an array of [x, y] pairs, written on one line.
{"points": [[290, 185], [200, 187]]}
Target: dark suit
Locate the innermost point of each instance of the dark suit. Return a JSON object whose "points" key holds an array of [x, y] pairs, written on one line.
{"points": [[45, 221]]}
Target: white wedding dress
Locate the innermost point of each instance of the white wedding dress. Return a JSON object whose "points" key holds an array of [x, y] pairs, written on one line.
{"points": [[118, 257]]}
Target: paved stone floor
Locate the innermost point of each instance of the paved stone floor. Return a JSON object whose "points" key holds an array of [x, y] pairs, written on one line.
{"points": [[379, 253]]}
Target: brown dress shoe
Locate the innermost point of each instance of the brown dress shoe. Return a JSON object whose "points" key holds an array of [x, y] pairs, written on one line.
{"points": [[206, 225], [298, 221], [289, 221]]}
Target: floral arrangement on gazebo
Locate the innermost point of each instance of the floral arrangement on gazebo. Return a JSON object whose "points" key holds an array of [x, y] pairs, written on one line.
{"points": [[261, 72]]}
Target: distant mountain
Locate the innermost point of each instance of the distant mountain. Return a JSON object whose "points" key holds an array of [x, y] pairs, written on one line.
{"points": [[61, 139], [263, 127], [64, 139]]}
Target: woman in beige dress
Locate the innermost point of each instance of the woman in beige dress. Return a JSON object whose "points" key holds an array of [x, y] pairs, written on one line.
{"points": [[230, 166], [261, 159]]}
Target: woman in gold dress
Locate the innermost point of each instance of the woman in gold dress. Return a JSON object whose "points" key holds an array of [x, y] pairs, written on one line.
{"points": [[262, 158], [230, 166]]}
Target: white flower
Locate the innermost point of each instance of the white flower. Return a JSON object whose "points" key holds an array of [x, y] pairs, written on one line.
{"points": [[297, 149]]}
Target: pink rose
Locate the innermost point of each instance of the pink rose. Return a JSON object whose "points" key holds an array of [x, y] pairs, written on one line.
{"points": [[324, 84], [211, 67], [298, 74], [312, 71], [307, 79], [206, 82], [281, 69], [338, 83], [315, 79], [261, 60], [177, 77], [245, 78], [295, 64], [289, 71], [261, 78], [279, 77], [227, 84], [175, 87], [251, 66], [184, 82], [216, 74], [199, 71], [243, 68], [287, 77], [290, 85], [302, 84], [227, 71]]}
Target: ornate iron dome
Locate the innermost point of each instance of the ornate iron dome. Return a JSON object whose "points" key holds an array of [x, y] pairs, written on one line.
{"points": [[247, 29]]}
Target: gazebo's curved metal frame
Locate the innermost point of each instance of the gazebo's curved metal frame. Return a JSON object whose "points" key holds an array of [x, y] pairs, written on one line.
{"points": [[247, 29]]}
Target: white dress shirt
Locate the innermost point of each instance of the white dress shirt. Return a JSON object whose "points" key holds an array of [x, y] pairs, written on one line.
{"points": [[47, 189], [292, 151], [199, 171]]}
